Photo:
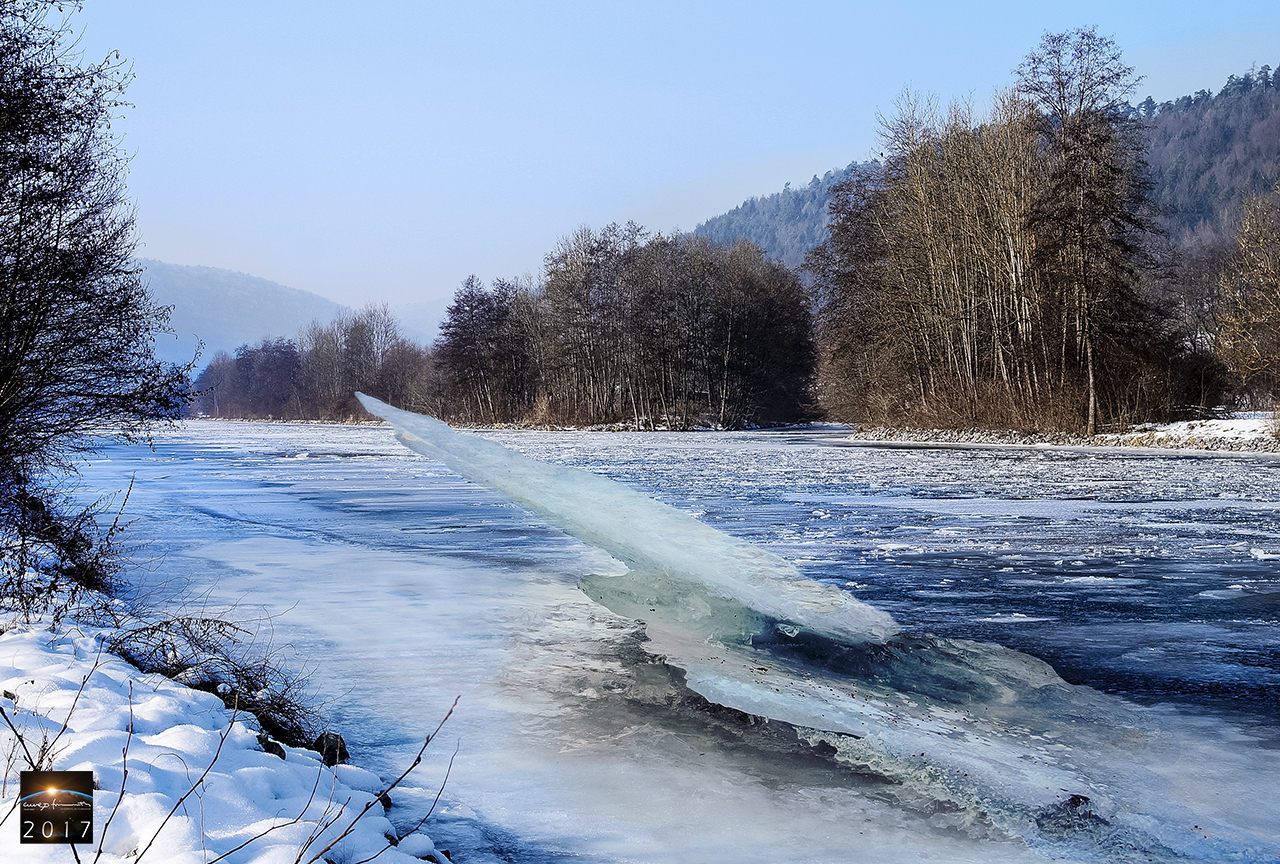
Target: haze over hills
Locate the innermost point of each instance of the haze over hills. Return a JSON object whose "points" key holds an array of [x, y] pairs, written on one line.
{"points": [[1206, 151], [224, 309]]}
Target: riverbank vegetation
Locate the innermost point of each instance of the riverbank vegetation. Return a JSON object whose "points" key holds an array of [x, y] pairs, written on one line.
{"points": [[651, 330], [990, 270], [315, 376]]}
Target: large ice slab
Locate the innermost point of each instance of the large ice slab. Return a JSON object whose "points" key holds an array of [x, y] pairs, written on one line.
{"points": [[646, 535]]}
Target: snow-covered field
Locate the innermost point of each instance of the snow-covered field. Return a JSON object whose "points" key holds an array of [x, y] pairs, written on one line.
{"points": [[1147, 580]]}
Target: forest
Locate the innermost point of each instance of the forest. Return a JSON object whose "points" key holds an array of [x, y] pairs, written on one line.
{"points": [[1012, 270], [1055, 261], [786, 224], [651, 330]]}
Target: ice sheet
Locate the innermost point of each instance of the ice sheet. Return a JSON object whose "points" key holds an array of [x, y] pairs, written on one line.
{"points": [[950, 718], [403, 586], [650, 537]]}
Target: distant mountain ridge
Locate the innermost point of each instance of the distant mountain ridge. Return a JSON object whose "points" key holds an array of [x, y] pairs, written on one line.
{"points": [[1206, 152], [225, 309]]}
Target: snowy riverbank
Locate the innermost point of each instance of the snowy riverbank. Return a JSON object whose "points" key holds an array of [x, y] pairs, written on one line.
{"points": [[60, 692], [1254, 432], [1249, 434]]}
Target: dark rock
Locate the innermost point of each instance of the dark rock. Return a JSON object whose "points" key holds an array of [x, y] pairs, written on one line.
{"points": [[332, 748], [269, 746], [1068, 817], [386, 800]]}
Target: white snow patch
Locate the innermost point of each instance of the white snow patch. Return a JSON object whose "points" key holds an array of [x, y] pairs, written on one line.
{"points": [[49, 680], [1014, 618]]}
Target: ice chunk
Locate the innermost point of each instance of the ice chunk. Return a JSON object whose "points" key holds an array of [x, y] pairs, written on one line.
{"points": [[649, 537]]}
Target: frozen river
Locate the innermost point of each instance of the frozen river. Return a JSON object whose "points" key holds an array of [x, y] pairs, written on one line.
{"points": [[1153, 579]]}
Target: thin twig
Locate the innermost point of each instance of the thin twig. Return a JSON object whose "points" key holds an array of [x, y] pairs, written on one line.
{"points": [[447, 772], [374, 855], [325, 821], [294, 821], [21, 740], [124, 777], [417, 760], [47, 749]]}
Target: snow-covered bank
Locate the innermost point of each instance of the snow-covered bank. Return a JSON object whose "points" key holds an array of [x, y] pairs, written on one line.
{"points": [[1254, 432], [159, 740], [1251, 434]]}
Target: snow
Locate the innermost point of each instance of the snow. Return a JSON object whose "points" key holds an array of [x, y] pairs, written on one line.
{"points": [[181, 740], [1256, 431], [1253, 432]]}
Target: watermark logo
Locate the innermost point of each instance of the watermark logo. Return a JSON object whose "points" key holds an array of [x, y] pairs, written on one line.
{"points": [[56, 807]]}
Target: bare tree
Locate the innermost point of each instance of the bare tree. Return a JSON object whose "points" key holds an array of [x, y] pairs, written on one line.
{"points": [[1249, 323], [1093, 210], [77, 326], [630, 328], [323, 377], [987, 271]]}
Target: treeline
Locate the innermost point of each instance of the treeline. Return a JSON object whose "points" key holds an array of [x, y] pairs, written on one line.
{"points": [[656, 331], [621, 327], [1008, 271], [315, 376]]}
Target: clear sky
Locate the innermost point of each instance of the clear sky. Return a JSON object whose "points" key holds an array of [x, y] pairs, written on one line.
{"points": [[384, 150]]}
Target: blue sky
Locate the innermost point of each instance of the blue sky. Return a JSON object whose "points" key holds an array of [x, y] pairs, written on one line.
{"points": [[383, 151]]}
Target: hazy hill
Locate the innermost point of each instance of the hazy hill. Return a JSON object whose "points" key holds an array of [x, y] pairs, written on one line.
{"points": [[786, 224], [226, 309], [1206, 152]]}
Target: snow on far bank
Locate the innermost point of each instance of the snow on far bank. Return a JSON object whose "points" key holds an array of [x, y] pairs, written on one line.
{"points": [[248, 798], [1250, 433]]}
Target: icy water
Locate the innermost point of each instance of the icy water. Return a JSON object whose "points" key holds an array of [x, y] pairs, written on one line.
{"points": [[1149, 582]]}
